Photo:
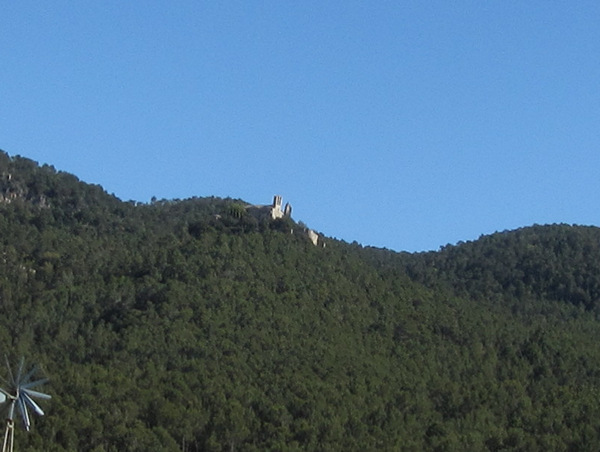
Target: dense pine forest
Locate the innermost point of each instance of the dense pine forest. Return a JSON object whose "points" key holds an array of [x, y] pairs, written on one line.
{"points": [[191, 325]]}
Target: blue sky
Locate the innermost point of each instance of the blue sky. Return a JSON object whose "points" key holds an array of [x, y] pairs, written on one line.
{"points": [[399, 124]]}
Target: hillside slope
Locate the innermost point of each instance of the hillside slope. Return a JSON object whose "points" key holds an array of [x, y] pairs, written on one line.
{"points": [[555, 262], [187, 325]]}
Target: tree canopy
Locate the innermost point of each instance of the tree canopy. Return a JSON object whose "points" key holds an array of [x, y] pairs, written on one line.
{"points": [[190, 325]]}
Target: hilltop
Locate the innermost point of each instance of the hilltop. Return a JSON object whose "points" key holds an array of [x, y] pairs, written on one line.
{"points": [[192, 325]]}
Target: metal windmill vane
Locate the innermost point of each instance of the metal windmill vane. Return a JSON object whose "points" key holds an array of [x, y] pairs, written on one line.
{"points": [[17, 397]]}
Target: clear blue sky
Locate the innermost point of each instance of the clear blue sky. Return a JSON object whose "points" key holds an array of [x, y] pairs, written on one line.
{"points": [[399, 124]]}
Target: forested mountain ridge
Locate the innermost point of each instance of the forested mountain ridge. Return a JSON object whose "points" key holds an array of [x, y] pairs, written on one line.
{"points": [[189, 325], [553, 262]]}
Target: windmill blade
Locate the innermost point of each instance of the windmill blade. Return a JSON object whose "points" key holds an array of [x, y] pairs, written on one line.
{"points": [[19, 396], [29, 375], [36, 394], [20, 371], [24, 413], [33, 384], [7, 394], [34, 406], [10, 374]]}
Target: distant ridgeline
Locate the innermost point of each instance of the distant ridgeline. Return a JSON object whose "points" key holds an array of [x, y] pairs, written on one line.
{"points": [[24, 181]]}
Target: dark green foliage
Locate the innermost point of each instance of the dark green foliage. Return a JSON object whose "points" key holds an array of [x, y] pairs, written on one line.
{"points": [[558, 262], [191, 325]]}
